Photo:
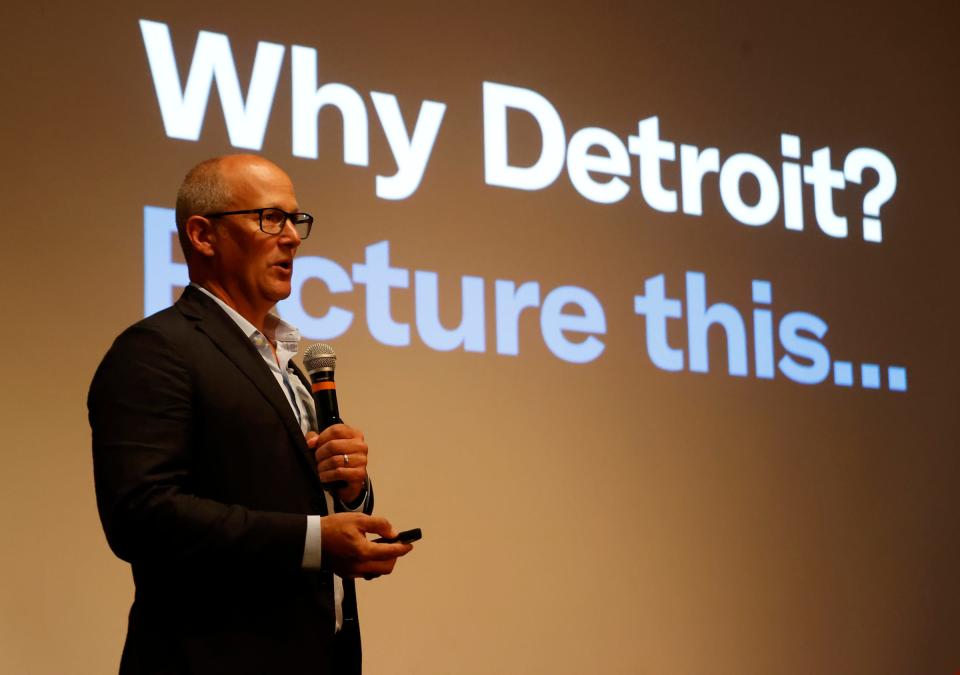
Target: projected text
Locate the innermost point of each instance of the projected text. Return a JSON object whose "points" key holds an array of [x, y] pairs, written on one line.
{"points": [[572, 320], [597, 160]]}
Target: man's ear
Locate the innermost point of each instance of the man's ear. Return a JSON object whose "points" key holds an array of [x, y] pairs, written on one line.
{"points": [[202, 236]]}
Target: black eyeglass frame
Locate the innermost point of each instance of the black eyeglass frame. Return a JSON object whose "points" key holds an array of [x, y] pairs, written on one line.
{"points": [[296, 219]]}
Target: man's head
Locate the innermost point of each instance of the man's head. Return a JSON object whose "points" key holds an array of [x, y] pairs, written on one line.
{"points": [[231, 255]]}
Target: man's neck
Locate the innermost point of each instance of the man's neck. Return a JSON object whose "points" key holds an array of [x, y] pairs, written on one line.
{"points": [[255, 315]]}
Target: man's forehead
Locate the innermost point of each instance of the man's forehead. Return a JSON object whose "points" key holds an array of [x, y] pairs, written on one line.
{"points": [[253, 169], [257, 179]]}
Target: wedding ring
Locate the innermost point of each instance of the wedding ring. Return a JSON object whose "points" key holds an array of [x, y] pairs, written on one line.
{"points": [[346, 460]]}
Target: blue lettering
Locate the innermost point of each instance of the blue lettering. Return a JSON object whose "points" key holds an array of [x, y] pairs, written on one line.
{"points": [[790, 328]]}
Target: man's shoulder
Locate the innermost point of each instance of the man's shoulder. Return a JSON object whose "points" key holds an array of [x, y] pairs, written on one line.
{"points": [[165, 317], [169, 323], [164, 343], [178, 318], [172, 328]]}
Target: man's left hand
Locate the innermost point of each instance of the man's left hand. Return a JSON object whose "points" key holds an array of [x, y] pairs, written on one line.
{"points": [[341, 455]]}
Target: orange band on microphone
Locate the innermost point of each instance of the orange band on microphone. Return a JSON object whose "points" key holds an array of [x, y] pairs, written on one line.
{"points": [[320, 386]]}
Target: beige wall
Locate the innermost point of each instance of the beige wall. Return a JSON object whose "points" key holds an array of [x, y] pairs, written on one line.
{"points": [[603, 518]]}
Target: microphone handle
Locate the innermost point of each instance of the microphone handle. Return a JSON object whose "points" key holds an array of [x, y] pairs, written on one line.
{"points": [[324, 390], [327, 412]]}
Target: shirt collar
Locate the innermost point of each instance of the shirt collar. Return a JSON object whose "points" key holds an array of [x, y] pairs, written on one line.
{"points": [[285, 336]]}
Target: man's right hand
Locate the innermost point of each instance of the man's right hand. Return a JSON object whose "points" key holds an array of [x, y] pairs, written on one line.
{"points": [[347, 551]]}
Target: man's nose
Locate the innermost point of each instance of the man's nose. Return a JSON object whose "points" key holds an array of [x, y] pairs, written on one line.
{"points": [[289, 235]]}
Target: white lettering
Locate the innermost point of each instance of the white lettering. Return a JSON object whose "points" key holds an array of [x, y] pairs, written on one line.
{"points": [[497, 169], [183, 110], [616, 163], [307, 102], [411, 153]]}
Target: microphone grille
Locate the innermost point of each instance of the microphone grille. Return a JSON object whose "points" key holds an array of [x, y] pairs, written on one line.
{"points": [[319, 356]]}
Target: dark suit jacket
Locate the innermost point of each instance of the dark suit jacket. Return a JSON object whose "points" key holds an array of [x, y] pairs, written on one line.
{"points": [[203, 480]]}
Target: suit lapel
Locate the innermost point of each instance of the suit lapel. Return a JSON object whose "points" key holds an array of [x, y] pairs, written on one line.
{"points": [[230, 340]]}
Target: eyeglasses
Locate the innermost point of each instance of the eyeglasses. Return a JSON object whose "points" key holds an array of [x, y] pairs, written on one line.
{"points": [[273, 220]]}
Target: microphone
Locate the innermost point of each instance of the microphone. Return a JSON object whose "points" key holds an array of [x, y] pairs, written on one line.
{"points": [[320, 361]]}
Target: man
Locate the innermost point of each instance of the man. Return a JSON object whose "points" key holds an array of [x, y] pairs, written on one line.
{"points": [[209, 478]]}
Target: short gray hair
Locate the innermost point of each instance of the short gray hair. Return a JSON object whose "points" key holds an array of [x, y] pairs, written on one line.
{"points": [[202, 191]]}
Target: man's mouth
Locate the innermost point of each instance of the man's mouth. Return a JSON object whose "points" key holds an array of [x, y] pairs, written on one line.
{"points": [[284, 264]]}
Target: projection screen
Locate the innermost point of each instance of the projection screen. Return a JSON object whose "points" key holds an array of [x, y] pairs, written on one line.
{"points": [[646, 310]]}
